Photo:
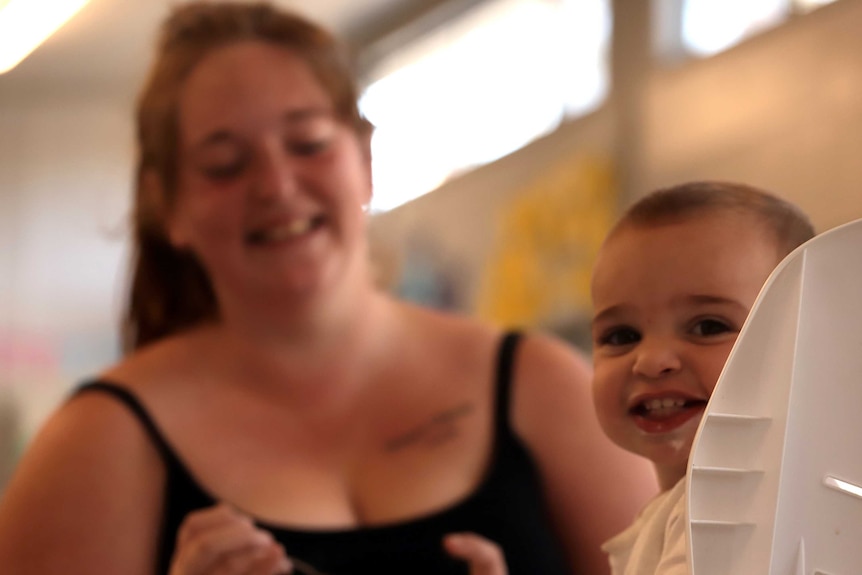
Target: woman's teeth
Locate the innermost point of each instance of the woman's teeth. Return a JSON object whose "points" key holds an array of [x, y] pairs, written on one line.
{"points": [[296, 227], [283, 232]]}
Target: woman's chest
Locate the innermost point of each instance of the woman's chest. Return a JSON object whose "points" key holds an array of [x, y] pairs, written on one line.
{"points": [[389, 462]]}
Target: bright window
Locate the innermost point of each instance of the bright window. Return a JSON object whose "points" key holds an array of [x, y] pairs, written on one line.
{"points": [[711, 26], [808, 5], [708, 27], [483, 86]]}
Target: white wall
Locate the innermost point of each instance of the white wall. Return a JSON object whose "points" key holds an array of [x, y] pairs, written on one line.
{"points": [[783, 111], [64, 191]]}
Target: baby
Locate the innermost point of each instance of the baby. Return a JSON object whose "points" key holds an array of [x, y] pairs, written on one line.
{"points": [[673, 284]]}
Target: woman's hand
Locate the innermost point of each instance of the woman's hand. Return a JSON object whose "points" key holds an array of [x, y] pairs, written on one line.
{"points": [[221, 541], [482, 555]]}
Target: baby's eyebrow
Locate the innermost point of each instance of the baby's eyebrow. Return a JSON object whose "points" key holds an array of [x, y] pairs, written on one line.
{"points": [[711, 299], [707, 298], [607, 314]]}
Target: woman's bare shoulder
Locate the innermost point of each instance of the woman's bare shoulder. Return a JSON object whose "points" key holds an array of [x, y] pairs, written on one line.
{"points": [[449, 328], [154, 367], [554, 361], [450, 339], [93, 470]]}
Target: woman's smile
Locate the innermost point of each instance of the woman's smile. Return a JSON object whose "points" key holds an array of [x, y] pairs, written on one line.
{"points": [[286, 231]]}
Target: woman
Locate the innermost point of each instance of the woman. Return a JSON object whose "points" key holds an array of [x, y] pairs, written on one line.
{"points": [[275, 409]]}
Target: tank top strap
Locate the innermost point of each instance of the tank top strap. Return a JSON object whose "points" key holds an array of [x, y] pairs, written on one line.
{"points": [[131, 401], [504, 375]]}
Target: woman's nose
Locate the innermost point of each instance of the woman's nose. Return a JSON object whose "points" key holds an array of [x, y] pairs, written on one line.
{"points": [[656, 358], [276, 175]]}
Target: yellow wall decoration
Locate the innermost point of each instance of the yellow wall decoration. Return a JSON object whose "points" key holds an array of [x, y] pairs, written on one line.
{"points": [[547, 240]]}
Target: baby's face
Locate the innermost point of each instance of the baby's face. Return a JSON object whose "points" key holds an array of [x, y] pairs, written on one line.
{"points": [[668, 304]]}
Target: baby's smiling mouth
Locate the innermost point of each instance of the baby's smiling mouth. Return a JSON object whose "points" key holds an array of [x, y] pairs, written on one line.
{"points": [[667, 413], [662, 407]]}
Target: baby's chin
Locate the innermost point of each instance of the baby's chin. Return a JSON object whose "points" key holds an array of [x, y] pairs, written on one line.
{"points": [[670, 449]]}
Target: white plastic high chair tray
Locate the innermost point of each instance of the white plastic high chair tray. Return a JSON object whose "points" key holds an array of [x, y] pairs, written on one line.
{"points": [[775, 474]]}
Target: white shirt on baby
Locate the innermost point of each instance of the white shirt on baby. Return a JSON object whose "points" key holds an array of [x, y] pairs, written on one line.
{"points": [[655, 543]]}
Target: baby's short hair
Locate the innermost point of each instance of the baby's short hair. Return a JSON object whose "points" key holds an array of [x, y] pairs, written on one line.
{"points": [[788, 224]]}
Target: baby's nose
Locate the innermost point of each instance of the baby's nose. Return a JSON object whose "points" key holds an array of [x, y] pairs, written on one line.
{"points": [[656, 359]]}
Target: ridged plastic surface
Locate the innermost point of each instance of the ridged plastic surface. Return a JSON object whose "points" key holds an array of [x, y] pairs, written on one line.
{"points": [[779, 450]]}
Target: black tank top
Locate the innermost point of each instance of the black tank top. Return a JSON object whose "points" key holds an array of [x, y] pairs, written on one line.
{"points": [[507, 507]]}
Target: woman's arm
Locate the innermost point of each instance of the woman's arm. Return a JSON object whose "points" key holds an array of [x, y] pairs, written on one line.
{"points": [[593, 488], [86, 497]]}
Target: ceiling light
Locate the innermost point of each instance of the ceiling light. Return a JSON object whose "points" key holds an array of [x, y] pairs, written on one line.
{"points": [[25, 24]]}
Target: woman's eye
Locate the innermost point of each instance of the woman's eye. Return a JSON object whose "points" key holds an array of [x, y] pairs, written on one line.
{"points": [[307, 147], [620, 337], [223, 171], [708, 327]]}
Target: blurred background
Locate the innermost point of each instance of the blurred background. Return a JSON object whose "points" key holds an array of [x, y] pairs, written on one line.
{"points": [[510, 133]]}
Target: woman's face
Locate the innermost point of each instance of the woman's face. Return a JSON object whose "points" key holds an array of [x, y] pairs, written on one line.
{"points": [[271, 184]]}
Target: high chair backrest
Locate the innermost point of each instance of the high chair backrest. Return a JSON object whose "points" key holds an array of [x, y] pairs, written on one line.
{"points": [[774, 481]]}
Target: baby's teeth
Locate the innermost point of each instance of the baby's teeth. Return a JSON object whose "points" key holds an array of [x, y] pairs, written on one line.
{"points": [[665, 403]]}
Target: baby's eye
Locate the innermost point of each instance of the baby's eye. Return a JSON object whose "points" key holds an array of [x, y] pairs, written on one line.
{"points": [[710, 327], [620, 336]]}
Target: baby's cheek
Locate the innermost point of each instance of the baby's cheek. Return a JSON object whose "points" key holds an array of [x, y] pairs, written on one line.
{"points": [[608, 406]]}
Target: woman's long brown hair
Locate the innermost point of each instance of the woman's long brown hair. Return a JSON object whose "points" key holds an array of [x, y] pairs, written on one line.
{"points": [[170, 290]]}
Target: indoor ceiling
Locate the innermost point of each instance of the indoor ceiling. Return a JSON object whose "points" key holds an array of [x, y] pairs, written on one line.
{"points": [[105, 48]]}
